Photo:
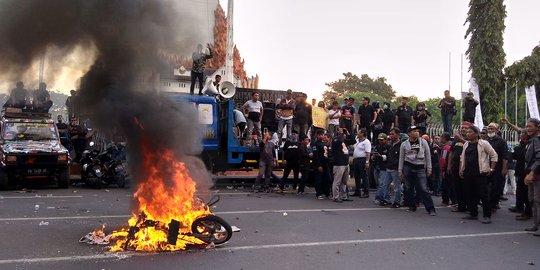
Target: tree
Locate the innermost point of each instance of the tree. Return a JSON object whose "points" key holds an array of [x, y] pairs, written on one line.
{"points": [[351, 84], [486, 53]]}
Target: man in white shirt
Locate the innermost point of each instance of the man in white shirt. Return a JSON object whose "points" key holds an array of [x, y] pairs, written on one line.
{"points": [[361, 157], [254, 110]]}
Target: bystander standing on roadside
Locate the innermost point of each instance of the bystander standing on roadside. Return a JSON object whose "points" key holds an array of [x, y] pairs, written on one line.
{"points": [[321, 166], [361, 157], [414, 162], [457, 184], [446, 189], [532, 169], [393, 164], [477, 164], [340, 168], [523, 205], [380, 161], [499, 175]]}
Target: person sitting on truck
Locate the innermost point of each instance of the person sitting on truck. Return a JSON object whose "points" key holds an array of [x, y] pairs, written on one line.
{"points": [[18, 98], [254, 110], [42, 99], [240, 122]]}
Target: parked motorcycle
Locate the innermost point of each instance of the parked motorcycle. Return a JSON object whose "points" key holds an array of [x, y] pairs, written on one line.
{"points": [[113, 171], [91, 173]]}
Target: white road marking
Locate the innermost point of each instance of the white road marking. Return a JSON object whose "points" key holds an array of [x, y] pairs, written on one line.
{"points": [[217, 213], [306, 244], [39, 197]]}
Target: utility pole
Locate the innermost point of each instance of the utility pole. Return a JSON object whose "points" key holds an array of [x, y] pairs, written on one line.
{"points": [[229, 58], [41, 67]]}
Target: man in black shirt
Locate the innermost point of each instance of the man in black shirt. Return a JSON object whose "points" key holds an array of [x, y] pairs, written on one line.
{"points": [[348, 117], [456, 183], [291, 158], [469, 104], [367, 115], [388, 118], [321, 166], [302, 115], [499, 175], [404, 115], [304, 162], [380, 160], [523, 205], [42, 99], [340, 170], [18, 97], [448, 109], [393, 164]]}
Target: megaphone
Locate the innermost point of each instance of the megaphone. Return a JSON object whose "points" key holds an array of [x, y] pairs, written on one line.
{"points": [[227, 89], [209, 88]]}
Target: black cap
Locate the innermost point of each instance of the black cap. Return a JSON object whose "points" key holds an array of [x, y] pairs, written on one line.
{"points": [[303, 137], [411, 128]]}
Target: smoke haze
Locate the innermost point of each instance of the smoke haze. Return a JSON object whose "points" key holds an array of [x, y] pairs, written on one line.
{"points": [[119, 40]]}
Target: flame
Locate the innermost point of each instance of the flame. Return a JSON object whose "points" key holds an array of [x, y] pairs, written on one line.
{"points": [[167, 193]]}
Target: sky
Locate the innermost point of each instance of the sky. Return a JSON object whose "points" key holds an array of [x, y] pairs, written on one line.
{"points": [[303, 44]]}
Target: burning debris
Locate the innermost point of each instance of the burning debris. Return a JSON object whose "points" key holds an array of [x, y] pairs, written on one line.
{"points": [[125, 38]]}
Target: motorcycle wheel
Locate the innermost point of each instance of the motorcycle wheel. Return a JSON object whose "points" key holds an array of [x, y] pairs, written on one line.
{"points": [[213, 229], [121, 181], [93, 182]]}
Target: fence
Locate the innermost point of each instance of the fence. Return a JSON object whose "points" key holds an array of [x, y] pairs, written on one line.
{"points": [[508, 134]]}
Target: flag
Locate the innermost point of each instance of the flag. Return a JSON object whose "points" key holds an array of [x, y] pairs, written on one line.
{"points": [[478, 121], [530, 94]]}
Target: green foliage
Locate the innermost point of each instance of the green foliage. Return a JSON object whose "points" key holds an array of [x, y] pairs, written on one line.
{"points": [[525, 71], [351, 84], [486, 53]]}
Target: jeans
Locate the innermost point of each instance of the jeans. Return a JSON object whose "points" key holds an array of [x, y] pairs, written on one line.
{"points": [[383, 185], [282, 123], [417, 180], [447, 122], [341, 177], [360, 175], [478, 190], [295, 167], [196, 76], [250, 127], [322, 181], [393, 176], [332, 130], [265, 170]]}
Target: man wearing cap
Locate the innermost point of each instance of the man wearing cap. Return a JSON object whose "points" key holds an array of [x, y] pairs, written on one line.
{"points": [[414, 161], [499, 175], [348, 116], [477, 164], [469, 104], [380, 159], [285, 109]]}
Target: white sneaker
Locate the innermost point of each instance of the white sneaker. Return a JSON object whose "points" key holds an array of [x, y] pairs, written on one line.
{"points": [[320, 197]]}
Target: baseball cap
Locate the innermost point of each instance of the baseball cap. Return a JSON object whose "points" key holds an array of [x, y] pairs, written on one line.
{"points": [[382, 136], [411, 128]]}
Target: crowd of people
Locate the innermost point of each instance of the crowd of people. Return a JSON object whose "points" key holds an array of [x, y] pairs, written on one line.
{"points": [[408, 166]]}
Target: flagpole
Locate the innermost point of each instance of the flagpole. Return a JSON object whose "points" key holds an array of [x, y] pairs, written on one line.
{"points": [[505, 99], [517, 101]]}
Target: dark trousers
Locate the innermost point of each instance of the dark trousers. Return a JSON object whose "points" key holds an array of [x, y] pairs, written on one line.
{"points": [[468, 118], [79, 145], [497, 187], [447, 123], [448, 190], [196, 76], [304, 170], [360, 175], [323, 181], [403, 126], [417, 181], [290, 166], [478, 190], [376, 133], [459, 190], [522, 200], [434, 181]]}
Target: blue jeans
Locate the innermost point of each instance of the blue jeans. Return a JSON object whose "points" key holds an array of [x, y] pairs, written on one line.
{"points": [[383, 185], [417, 181], [393, 176], [282, 123], [447, 123]]}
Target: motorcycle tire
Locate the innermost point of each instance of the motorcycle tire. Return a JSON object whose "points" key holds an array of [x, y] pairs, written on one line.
{"points": [[121, 181], [217, 230], [93, 182]]}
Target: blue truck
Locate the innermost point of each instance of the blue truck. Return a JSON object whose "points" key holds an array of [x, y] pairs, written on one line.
{"points": [[222, 150]]}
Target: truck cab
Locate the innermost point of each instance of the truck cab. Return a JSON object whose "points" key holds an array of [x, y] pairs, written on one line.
{"points": [[30, 149]]}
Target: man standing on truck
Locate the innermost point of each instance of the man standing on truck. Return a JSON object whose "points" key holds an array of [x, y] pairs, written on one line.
{"points": [[197, 70], [254, 110], [285, 112], [302, 115]]}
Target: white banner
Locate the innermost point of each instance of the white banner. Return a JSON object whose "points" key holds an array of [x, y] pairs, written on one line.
{"points": [[530, 94], [478, 121]]}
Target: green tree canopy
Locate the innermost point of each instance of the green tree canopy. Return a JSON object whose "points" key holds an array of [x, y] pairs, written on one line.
{"points": [[525, 71], [352, 84], [486, 53]]}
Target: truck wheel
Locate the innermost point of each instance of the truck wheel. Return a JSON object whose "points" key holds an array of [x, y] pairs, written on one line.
{"points": [[4, 180], [63, 179]]}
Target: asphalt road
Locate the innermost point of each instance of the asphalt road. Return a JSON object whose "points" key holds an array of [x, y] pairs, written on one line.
{"points": [[277, 232]]}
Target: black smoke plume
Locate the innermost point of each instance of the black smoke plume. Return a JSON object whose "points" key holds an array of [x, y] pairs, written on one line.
{"points": [[126, 37]]}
